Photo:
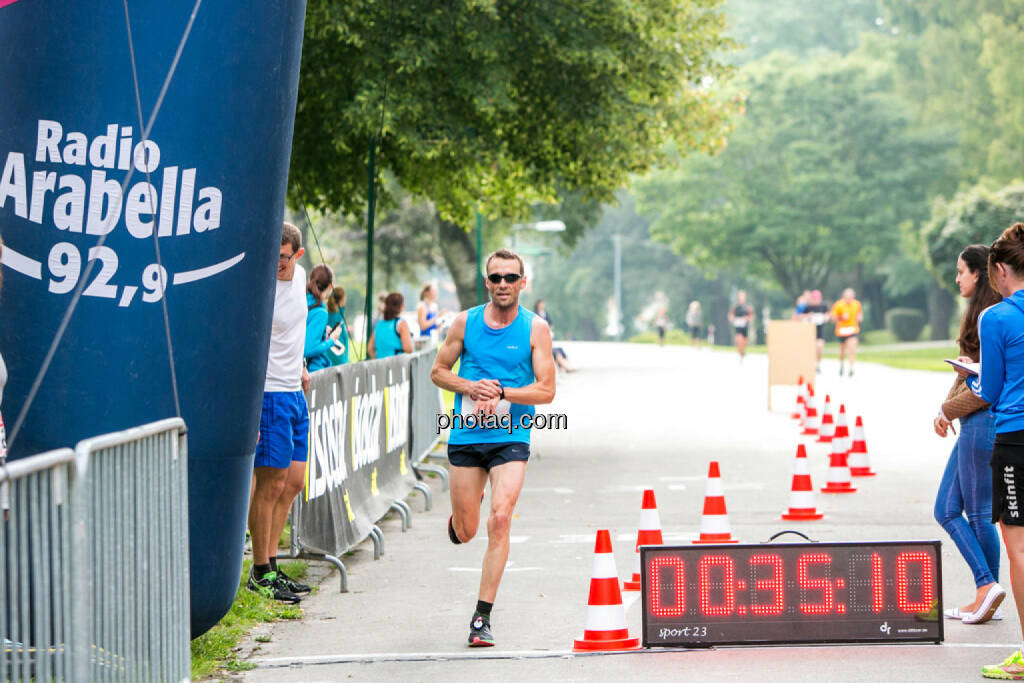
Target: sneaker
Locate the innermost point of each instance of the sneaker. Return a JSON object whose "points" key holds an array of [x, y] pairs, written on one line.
{"points": [[291, 584], [1012, 668], [930, 615], [480, 632], [271, 588]]}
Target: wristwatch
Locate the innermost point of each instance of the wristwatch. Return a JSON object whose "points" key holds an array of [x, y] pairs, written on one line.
{"points": [[502, 394]]}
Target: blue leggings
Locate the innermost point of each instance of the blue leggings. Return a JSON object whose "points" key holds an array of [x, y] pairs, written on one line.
{"points": [[966, 487]]}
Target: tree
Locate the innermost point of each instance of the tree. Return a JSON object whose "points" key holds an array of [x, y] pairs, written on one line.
{"points": [[823, 167], [975, 216], [498, 104], [801, 27]]}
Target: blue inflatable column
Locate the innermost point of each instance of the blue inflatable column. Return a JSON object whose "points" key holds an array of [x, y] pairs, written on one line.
{"points": [[86, 196]]}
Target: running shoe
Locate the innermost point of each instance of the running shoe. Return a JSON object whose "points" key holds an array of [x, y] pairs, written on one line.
{"points": [[930, 615], [270, 588], [480, 632], [291, 584], [1012, 669]]}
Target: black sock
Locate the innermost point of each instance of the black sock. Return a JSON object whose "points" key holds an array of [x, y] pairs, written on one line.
{"points": [[258, 570], [273, 564], [484, 608], [451, 533]]}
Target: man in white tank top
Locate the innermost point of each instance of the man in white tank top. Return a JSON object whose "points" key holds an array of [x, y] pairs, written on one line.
{"points": [[279, 467]]}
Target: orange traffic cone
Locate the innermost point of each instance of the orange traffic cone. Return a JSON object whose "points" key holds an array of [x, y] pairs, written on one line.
{"points": [[714, 523], [648, 533], [811, 419], [801, 393], [801, 497], [828, 425], [842, 430], [860, 465], [838, 471], [606, 617]]}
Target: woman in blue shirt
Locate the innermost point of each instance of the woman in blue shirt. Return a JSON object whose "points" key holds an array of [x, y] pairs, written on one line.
{"points": [[390, 335], [1001, 384], [336, 318], [319, 338]]}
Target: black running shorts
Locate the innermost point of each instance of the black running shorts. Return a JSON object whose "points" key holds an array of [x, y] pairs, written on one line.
{"points": [[487, 455], [1008, 479]]}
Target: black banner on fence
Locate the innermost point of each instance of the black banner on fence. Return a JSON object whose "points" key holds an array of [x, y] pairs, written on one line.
{"points": [[359, 426], [426, 404]]}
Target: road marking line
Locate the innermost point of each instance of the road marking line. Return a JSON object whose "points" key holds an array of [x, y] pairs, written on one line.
{"points": [[281, 662], [507, 569]]}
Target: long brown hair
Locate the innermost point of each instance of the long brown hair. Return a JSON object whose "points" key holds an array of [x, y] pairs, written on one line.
{"points": [[975, 257], [320, 280]]}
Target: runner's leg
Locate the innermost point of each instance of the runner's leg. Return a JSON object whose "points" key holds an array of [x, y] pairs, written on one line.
{"points": [[852, 343], [465, 485], [294, 481], [270, 482], [506, 483]]}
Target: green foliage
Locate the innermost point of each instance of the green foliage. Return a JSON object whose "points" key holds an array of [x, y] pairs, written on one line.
{"points": [[960, 62], [801, 27], [906, 323], [215, 648], [976, 216], [500, 104], [819, 172]]}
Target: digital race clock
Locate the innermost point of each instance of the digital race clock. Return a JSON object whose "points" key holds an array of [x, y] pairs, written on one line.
{"points": [[791, 593]]}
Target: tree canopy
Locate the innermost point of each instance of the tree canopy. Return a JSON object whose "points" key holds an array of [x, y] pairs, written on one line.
{"points": [[498, 103], [821, 169]]}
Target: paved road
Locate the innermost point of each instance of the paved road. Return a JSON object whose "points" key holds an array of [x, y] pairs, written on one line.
{"points": [[642, 416]]}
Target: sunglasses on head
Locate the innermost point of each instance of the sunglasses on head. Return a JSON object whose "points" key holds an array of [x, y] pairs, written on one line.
{"points": [[510, 278]]}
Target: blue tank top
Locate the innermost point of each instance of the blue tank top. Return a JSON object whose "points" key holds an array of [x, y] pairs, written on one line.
{"points": [[385, 338], [501, 354], [425, 332]]}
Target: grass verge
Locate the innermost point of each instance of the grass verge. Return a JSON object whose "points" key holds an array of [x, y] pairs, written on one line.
{"points": [[215, 649], [907, 359]]}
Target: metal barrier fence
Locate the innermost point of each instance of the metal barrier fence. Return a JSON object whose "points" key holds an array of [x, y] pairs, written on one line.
{"points": [[94, 562]]}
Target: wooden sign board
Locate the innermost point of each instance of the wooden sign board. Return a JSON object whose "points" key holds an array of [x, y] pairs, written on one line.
{"points": [[791, 353]]}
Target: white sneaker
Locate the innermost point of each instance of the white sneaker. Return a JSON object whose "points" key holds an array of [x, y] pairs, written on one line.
{"points": [[997, 615], [954, 613], [988, 606]]}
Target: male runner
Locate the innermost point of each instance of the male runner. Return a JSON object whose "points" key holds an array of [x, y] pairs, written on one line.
{"points": [[847, 314], [280, 462], [741, 316], [817, 313], [505, 369]]}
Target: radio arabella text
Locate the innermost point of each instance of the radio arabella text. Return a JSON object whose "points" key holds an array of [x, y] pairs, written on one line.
{"points": [[504, 421]]}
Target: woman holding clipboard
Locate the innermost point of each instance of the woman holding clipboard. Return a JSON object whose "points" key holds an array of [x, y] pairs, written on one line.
{"points": [[1001, 384], [966, 486]]}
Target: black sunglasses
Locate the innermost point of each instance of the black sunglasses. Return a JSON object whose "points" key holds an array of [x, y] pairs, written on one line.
{"points": [[510, 278]]}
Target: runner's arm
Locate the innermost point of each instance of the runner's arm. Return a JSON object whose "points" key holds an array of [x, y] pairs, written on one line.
{"points": [[543, 388], [441, 374]]}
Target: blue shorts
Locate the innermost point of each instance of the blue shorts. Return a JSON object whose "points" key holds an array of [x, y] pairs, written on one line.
{"points": [[284, 429]]}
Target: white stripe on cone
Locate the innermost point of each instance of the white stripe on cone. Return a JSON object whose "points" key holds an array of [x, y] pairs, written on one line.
{"points": [[801, 500], [649, 520], [714, 524], [715, 488], [605, 617], [604, 566]]}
